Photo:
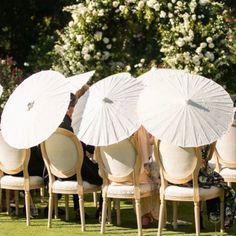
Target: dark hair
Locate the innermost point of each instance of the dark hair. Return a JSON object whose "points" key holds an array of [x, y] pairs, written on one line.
{"points": [[73, 100]]}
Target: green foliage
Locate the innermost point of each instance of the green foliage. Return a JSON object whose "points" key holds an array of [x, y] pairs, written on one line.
{"points": [[27, 31], [133, 35], [10, 77]]}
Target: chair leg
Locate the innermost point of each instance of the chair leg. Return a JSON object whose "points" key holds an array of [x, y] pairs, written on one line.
{"points": [[161, 217], [50, 208], [55, 205], [104, 214], [222, 213], [82, 215], [138, 216], [95, 201], [42, 194], [118, 219], [175, 225], [16, 196], [67, 207], [8, 201], [109, 209], [27, 207], [197, 217]]}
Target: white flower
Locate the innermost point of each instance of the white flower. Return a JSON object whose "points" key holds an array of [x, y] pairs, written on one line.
{"points": [[192, 5], [203, 45], [209, 39], [196, 60], [211, 45], [187, 39], [128, 68], [191, 33], [162, 14], [101, 12], [71, 23], [186, 56], [85, 50], [88, 19], [87, 57], [142, 60], [198, 50], [105, 55], [98, 35], [105, 2], [141, 4], [151, 3], [169, 5], [210, 55], [91, 47], [122, 7], [79, 38], [203, 2], [180, 42], [156, 6], [194, 17], [115, 4], [106, 40], [104, 27], [108, 46], [98, 54], [179, 4]]}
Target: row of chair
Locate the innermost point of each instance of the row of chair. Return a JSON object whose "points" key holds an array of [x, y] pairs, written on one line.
{"points": [[63, 157]]}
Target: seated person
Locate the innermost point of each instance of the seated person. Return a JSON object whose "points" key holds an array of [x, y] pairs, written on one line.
{"points": [[149, 173], [89, 169]]}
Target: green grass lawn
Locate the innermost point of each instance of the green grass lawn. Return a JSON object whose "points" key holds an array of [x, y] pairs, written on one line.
{"points": [[16, 226]]}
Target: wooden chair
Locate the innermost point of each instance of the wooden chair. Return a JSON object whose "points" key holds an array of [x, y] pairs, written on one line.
{"points": [[63, 156], [225, 156], [179, 166], [13, 161], [119, 166]]}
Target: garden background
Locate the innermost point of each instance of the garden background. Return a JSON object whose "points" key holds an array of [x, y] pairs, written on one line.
{"points": [[75, 36]]}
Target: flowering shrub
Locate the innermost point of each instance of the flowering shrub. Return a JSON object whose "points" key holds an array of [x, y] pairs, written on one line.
{"points": [[133, 35], [10, 77]]}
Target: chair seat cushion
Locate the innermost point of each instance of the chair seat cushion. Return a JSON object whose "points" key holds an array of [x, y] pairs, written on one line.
{"points": [[128, 190], [228, 173], [186, 193], [17, 183], [71, 187]]}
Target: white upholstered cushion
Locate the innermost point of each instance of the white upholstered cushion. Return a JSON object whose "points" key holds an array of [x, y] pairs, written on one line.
{"points": [[228, 173], [186, 192], [15, 182], [71, 187], [129, 189]]}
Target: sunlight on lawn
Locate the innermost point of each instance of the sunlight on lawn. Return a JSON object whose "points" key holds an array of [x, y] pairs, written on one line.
{"points": [[16, 226]]}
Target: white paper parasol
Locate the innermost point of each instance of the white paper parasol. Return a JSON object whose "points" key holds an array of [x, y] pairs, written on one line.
{"points": [[107, 112], [184, 109], [77, 81], [147, 75], [35, 109]]}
